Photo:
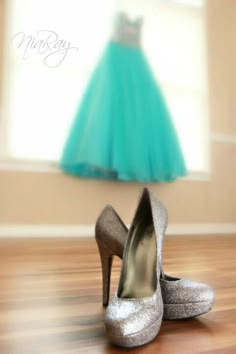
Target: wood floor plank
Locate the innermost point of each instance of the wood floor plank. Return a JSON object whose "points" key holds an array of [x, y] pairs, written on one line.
{"points": [[50, 297]]}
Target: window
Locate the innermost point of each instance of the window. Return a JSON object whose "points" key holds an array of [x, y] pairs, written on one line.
{"points": [[42, 93]]}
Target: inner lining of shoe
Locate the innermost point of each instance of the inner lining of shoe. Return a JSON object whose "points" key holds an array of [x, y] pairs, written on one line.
{"points": [[169, 277], [139, 271]]}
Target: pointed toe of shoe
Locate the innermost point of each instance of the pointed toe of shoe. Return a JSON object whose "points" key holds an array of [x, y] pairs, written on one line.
{"points": [[203, 293], [121, 319], [133, 322], [184, 298]]}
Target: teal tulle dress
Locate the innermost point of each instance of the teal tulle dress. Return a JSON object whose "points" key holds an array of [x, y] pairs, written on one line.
{"points": [[123, 130]]}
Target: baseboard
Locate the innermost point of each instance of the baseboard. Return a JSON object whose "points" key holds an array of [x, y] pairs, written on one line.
{"points": [[223, 138], [201, 229], [10, 230]]}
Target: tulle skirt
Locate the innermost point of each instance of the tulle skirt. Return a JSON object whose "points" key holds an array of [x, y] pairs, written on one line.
{"points": [[123, 129]]}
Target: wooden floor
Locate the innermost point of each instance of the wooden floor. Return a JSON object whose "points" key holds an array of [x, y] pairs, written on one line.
{"points": [[50, 297]]}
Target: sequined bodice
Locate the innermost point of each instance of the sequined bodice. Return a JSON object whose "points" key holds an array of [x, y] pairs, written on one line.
{"points": [[126, 31]]}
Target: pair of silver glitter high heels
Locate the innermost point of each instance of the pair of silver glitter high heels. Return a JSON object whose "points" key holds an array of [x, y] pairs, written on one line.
{"points": [[145, 294]]}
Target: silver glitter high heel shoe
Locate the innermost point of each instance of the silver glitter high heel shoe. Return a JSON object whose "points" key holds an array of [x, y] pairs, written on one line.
{"points": [[135, 313], [182, 298]]}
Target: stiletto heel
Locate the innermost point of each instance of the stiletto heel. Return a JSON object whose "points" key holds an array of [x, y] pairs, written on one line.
{"points": [[106, 263], [110, 242]]}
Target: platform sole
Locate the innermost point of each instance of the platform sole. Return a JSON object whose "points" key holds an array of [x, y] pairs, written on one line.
{"points": [[181, 311], [139, 338]]}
